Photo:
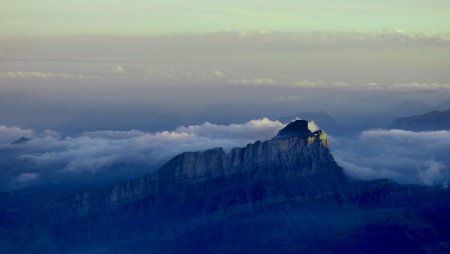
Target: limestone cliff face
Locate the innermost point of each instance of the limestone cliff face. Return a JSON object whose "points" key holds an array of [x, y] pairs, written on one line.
{"points": [[294, 153]]}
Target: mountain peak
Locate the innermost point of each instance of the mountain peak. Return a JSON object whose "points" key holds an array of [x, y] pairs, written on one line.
{"points": [[21, 140], [297, 128], [303, 129]]}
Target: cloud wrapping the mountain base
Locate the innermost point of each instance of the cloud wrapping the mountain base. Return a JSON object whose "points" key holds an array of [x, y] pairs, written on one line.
{"points": [[47, 155], [93, 151], [405, 156], [260, 129]]}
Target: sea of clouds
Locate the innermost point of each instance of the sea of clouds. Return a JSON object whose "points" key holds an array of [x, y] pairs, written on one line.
{"points": [[405, 156], [49, 157]]}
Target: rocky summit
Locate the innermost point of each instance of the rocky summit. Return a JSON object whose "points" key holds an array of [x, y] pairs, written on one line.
{"points": [[284, 195]]}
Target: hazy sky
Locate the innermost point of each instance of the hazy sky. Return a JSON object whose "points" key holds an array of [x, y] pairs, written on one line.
{"points": [[153, 65], [79, 83], [69, 17]]}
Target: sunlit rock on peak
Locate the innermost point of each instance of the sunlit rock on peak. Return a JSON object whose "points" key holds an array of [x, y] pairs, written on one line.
{"points": [[305, 130]]}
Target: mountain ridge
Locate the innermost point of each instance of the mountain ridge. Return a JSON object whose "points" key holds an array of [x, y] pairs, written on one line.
{"points": [[431, 121], [303, 152]]}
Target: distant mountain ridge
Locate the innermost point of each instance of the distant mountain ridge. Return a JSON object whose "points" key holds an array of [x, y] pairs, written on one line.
{"points": [[432, 121]]}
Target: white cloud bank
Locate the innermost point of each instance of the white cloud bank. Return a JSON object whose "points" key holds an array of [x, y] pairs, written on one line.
{"points": [[405, 156], [260, 129], [48, 155]]}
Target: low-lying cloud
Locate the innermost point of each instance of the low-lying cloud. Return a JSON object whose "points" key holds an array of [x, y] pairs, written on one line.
{"points": [[49, 156], [405, 156], [260, 129]]}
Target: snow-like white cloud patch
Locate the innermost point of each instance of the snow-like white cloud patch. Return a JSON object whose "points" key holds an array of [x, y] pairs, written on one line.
{"points": [[259, 129]]}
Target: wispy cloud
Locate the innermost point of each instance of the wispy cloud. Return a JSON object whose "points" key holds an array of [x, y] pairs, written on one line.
{"points": [[117, 69], [314, 84], [297, 59], [33, 75], [254, 81]]}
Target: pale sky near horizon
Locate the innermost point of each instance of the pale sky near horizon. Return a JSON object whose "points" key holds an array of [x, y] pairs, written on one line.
{"points": [[243, 59], [140, 17]]}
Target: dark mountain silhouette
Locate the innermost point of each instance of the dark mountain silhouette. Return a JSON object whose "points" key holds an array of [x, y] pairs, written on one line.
{"points": [[321, 118], [21, 140], [284, 195], [432, 121]]}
